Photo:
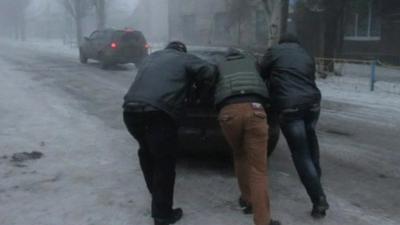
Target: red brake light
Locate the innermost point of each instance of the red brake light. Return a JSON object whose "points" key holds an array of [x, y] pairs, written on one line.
{"points": [[146, 46], [114, 45]]}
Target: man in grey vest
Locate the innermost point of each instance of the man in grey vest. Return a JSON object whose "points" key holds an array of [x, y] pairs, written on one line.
{"points": [[240, 98]]}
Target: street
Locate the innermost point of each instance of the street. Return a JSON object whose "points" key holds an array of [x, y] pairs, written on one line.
{"points": [[90, 174]]}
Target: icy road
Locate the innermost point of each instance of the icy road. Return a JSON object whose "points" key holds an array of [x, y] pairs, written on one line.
{"points": [[90, 175]]}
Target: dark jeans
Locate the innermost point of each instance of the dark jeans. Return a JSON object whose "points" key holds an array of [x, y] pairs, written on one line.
{"points": [[298, 126], [156, 133]]}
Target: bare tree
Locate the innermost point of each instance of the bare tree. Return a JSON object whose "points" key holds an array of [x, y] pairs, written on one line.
{"points": [[334, 28], [100, 13], [238, 11], [285, 16], [277, 14], [14, 16], [78, 9], [332, 25]]}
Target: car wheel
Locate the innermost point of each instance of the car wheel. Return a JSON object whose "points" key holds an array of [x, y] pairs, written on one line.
{"points": [[105, 65], [273, 133], [82, 58], [103, 61], [272, 143], [137, 64]]}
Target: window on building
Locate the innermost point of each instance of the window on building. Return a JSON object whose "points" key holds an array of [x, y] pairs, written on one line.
{"points": [[363, 22], [261, 26]]}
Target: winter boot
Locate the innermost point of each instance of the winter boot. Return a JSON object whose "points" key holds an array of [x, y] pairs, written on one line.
{"points": [[245, 206], [319, 209], [175, 216]]}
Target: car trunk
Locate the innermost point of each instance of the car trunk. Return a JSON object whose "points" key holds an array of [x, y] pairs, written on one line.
{"points": [[131, 44]]}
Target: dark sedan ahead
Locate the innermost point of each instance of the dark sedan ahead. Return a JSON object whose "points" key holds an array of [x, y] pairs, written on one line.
{"points": [[112, 47]]}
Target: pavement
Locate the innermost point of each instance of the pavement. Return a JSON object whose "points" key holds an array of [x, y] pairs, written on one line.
{"points": [[89, 172]]}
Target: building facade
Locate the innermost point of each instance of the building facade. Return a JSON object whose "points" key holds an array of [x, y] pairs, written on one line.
{"points": [[370, 31], [373, 32], [218, 23]]}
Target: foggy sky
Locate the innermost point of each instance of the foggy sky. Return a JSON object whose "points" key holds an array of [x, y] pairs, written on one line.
{"points": [[40, 14]]}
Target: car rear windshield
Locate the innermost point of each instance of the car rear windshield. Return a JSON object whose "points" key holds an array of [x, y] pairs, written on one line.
{"points": [[129, 36], [214, 57]]}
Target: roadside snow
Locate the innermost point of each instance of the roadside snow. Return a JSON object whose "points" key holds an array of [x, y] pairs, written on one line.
{"points": [[54, 46], [356, 91]]}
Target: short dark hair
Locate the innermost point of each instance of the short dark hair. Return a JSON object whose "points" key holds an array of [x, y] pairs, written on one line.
{"points": [[177, 45], [289, 38]]}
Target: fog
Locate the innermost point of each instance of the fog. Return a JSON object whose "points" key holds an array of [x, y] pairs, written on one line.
{"points": [[332, 29], [195, 22], [53, 19]]}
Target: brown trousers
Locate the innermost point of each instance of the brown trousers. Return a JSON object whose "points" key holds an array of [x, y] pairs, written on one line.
{"points": [[245, 128]]}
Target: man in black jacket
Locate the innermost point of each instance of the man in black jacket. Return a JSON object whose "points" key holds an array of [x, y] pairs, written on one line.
{"points": [[295, 98], [152, 108]]}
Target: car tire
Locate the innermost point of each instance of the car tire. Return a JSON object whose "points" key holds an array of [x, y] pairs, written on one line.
{"points": [[274, 133], [138, 63], [272, 147], [82, 58], [104, 65]]}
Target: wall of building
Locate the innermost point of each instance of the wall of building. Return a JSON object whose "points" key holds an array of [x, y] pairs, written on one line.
{"points": [[209, 22], [387, 47]]}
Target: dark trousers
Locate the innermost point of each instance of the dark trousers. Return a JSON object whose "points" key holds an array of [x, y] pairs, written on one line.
{"points": [[298, 127], [156, 133]]}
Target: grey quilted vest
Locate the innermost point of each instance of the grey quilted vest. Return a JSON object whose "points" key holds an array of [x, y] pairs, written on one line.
{"points": [[239, 76]]}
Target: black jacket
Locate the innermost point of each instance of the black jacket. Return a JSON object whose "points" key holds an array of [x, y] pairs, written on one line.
{"points": [[290, 74], [164, 79]]}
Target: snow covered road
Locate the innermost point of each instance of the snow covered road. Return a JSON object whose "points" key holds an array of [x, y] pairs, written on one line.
{"points": [[90, 174]]}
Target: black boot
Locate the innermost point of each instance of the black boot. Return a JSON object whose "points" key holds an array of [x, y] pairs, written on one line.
{"points": [[275, 222], [175, 216], [319, 209], [246, 207]]}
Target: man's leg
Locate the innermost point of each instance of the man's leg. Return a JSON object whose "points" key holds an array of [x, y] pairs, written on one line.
{"points": [[136, 124], [230, 120], [162, 140], [255, 145], [311, 120], [293, 128]]}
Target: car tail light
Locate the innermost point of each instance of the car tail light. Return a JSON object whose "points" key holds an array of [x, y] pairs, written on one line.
{"points": [[114, 45], [147, 46]]}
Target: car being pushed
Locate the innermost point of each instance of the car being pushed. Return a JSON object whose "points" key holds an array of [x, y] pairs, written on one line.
{"points": [[111, 47], [199, 130]]}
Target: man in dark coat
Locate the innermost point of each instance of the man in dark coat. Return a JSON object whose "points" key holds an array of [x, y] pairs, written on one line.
{"points": [[295, 99], [152, 108]]}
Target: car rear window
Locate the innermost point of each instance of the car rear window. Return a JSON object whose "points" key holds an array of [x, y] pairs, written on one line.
{"points": [[214, 57], [129, 36]]}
